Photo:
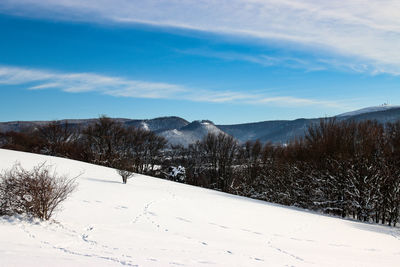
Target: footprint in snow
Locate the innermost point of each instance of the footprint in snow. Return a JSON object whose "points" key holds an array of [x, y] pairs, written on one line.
{"points": [[372, 249], [338, 245], [177, 263], [183, 219], [206, 262], [221, 226]]}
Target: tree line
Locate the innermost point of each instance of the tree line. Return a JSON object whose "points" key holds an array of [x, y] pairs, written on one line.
{"points": [[105, 142], [343, 168]]}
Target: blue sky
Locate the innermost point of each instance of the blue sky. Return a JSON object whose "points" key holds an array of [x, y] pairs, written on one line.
{"points": [[232, 62]]}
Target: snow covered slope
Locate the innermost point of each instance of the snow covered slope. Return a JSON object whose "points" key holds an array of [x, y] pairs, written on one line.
{"points": [[191, 133], [367, 110], [153, 222]]}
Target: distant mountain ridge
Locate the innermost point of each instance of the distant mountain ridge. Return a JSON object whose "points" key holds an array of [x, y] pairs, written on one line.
{"points": [[179, 131], [283, 131], [368, 110], [156, 125]]}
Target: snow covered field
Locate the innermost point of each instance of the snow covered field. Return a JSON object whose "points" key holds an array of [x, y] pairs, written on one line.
{"points": [[153, 222]]}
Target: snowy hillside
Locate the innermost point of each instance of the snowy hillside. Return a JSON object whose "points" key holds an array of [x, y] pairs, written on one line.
{"points": [[368, 110], [159, 124], [191, 133], [153, 222]]}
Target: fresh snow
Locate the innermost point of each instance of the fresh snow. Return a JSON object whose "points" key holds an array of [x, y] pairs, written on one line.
{"points": [[367, 110], [154, 222]]}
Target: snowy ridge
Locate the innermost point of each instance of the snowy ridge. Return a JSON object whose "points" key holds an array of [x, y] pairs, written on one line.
{"points": [[154, 222], [191, 133], [368, 110]]}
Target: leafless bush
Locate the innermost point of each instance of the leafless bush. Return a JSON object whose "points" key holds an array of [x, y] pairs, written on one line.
{"points": [[125, 175], [37, 192]]}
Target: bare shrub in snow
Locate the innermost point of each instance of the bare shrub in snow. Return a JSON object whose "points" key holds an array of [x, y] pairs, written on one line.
{"points": [[37, 192], [125, 175]]}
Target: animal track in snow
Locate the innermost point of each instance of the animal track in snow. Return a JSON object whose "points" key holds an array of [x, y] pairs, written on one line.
{"points": [[284, 252], [183, 219], [219, 225]]}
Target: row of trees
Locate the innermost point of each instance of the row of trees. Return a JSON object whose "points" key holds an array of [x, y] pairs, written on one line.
{"points": [[208, 163], [349, 169], [344, 168], [105, 142], [129, 148]]}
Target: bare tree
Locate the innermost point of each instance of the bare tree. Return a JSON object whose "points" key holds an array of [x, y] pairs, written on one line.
{"points": [[125, 175], [57, 137], [103, 139]]}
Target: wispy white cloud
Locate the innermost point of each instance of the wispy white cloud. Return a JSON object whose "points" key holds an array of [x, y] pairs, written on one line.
{"points": [[261, 59], [36, 79], [366, 31], [86, 82], [294, 101]]}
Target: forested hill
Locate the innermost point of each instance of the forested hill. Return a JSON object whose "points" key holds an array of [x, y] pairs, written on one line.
{"points": [[179, 131]]}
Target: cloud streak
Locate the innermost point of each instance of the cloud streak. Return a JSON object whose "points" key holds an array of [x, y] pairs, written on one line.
{"points": [[86, 82], [366, 31], [36, 79], [261, 59]]}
